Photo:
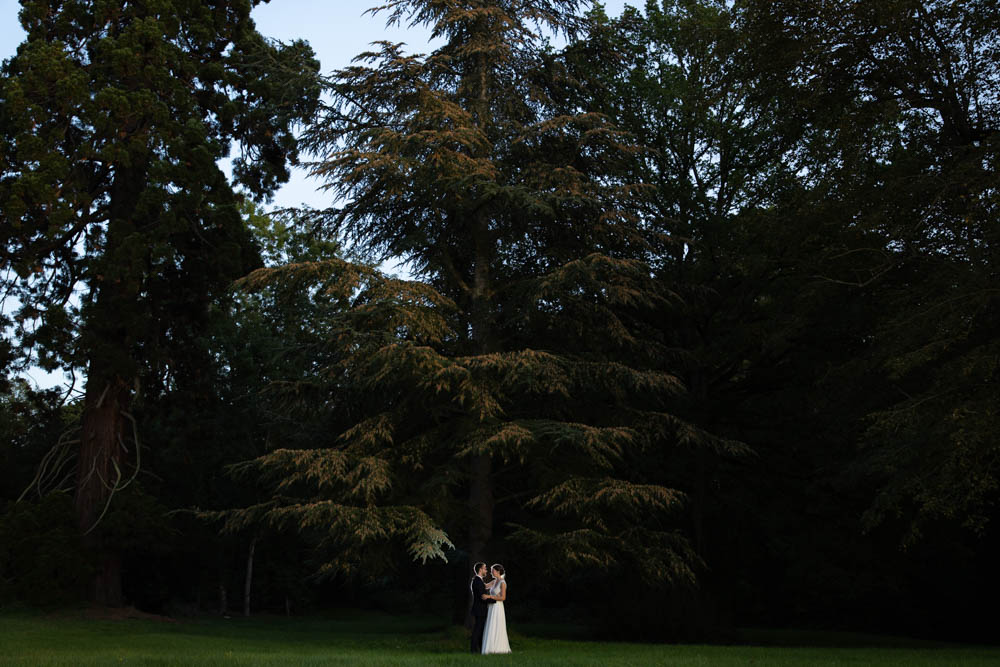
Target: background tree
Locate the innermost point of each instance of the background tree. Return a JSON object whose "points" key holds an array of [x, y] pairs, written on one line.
{"points": [[259, 351], [902, 104], [717, 161], [42, 562], [905, 113], [764, 155], [114, 120]]}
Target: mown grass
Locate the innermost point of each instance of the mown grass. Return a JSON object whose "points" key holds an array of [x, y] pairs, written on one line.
{"points": [[357, 638]]}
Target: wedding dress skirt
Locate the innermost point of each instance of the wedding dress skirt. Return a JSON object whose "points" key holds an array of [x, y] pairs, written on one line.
{"points": [[495, 632]]}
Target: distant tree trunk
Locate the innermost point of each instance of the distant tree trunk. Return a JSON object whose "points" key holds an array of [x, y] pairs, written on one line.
{"points": [[249, 579], [223, 594], [223, 597], [100, 465], [699, 389], [701, 497]]}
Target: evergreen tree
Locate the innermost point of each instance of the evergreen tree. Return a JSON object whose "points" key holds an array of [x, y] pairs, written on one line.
{"points": [[114, 118], [504, 386]]}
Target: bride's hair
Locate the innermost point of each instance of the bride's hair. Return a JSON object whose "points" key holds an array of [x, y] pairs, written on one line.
{"points": [[499, 568]]}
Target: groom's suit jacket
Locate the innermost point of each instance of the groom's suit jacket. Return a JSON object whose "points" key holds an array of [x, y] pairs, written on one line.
{"points": [[479, 605]]}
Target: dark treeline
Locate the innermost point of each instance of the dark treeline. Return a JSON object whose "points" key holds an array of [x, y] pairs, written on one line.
{"points": [[701, 331]]}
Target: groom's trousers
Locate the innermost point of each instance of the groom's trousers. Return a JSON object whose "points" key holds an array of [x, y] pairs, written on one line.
{"points": [[477, 634]]}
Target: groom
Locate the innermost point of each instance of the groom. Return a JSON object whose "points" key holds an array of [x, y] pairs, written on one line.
{"points": [[479, 607]]}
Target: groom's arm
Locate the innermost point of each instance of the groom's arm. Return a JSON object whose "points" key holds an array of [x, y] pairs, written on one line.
{"points": [[488, 600], [479, 590]]}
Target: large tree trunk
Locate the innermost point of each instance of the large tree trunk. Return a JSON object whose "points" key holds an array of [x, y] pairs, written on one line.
{"points": [[100, 467], [110, 373]]}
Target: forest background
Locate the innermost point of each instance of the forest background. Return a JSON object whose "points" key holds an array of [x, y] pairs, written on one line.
{"points": [[696, 327]]}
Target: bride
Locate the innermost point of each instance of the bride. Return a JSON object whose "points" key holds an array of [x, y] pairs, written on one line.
{"points": [[495, 633]]}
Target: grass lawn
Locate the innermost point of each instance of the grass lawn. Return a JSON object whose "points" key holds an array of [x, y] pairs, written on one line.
{"points": [[359, 638]]}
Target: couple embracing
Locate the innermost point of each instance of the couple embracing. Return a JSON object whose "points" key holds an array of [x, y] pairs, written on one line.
{"points": [[489, 633]]}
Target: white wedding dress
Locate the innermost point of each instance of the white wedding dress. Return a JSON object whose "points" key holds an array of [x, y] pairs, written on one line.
{"points": [[495, 632]]}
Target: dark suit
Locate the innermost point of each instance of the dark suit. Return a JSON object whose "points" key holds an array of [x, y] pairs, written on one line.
{"points": [[480, 607]]}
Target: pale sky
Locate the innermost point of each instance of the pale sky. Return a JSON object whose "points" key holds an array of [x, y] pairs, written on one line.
{"points": [[338, 30]]}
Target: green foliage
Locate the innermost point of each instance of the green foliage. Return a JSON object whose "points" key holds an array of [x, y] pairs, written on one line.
{"points": [[903, 138], [136, 523], [30, 421], [817, 176], [392, 340], [42, 560], [333, 495]]}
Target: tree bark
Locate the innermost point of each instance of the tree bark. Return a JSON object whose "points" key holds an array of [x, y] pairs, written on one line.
{"points": [[100, 467]]}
